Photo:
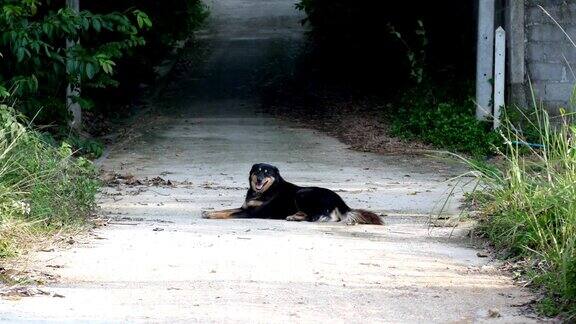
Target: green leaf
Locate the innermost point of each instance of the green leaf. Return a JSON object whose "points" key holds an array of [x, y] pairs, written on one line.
{"points": [[107, 66], [33, 83], [85, 103], [96, 24], [3, 92], [85, 23], [90, 70], [71, 66], [20, 52], [142, 19]]}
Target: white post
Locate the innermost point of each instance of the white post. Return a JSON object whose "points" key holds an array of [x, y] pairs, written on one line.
{"points": [[499, 73], [484, 59], [71, 90]]}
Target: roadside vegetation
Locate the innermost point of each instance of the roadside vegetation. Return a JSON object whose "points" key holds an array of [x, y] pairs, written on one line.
{"points": [[528, 205], [445, 120], [110, 50], [44, 189]]}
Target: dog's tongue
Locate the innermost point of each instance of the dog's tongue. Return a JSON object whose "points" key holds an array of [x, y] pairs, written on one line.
{"points": [[259, 185]]}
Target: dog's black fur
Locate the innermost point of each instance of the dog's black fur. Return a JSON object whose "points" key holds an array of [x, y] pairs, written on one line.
{"points": [[270, 196]]}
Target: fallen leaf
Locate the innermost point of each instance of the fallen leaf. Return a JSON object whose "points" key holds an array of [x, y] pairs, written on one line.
{"points": [[482, 254], [494, 313]]}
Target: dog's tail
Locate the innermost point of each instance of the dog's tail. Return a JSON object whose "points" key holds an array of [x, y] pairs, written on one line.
{"points": [[361, 216]]}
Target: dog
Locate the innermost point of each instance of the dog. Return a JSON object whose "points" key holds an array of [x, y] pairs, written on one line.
{"points": [[270, 196]]}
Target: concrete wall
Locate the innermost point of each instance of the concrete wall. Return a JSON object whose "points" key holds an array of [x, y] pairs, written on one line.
{"points": [[549, 54]]}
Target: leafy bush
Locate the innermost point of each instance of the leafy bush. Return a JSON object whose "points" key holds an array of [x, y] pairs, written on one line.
{"points": [[173, 21], [85, 147], [37, 65], [42, 188], [445, 123], [529, 208]]}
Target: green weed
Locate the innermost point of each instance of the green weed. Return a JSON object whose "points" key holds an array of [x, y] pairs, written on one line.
{"points": [[43, 188], [529, 206]]}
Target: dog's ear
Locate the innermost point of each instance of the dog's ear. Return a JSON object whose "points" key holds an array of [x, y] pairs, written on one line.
{"points": [[254, 167], [276, 170]]}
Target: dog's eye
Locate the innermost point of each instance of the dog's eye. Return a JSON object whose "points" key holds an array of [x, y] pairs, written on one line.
{"points": [[265, 171]]}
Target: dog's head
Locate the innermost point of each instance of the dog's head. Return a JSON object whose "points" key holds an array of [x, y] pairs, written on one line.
{"points": [[263, 176]]}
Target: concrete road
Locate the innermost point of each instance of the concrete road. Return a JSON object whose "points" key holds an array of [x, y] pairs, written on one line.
{"points": [[158, 261]]}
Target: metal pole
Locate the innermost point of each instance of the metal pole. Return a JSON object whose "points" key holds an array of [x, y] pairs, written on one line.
{"points": [[73, 90], [499, 73], [484, 59]]}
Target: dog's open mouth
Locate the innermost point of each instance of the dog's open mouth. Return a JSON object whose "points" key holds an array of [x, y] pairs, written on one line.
{"points": [[260, 185]]}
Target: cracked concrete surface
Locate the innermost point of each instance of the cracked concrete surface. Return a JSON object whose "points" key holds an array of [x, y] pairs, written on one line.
{"points": [[158, 261]]}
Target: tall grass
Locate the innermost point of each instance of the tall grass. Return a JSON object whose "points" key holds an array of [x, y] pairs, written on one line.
{"points": [[529, 206], [43, 188]]}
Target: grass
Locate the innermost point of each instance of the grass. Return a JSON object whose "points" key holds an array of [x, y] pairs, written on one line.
{"points": [[529, 204], [529, 207], [44, 189]]}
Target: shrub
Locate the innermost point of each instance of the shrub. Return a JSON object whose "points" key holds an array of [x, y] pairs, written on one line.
{"points": [[445, 123], [42, 187], [37, 65]]}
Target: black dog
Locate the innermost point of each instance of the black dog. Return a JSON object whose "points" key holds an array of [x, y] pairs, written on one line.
{"points": [[270, 196]]}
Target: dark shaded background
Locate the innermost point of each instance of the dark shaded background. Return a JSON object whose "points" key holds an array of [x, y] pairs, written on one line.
{"points": [[351, 46]]}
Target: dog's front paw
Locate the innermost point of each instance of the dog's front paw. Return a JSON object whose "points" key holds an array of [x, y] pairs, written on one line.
{"points": [[350, 222], [205, 214], [298, 217]]}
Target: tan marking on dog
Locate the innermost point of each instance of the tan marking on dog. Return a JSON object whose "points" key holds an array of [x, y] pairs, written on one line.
{"points": [[298, 217], [252, 203], [220, 214], [270, 181]]}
